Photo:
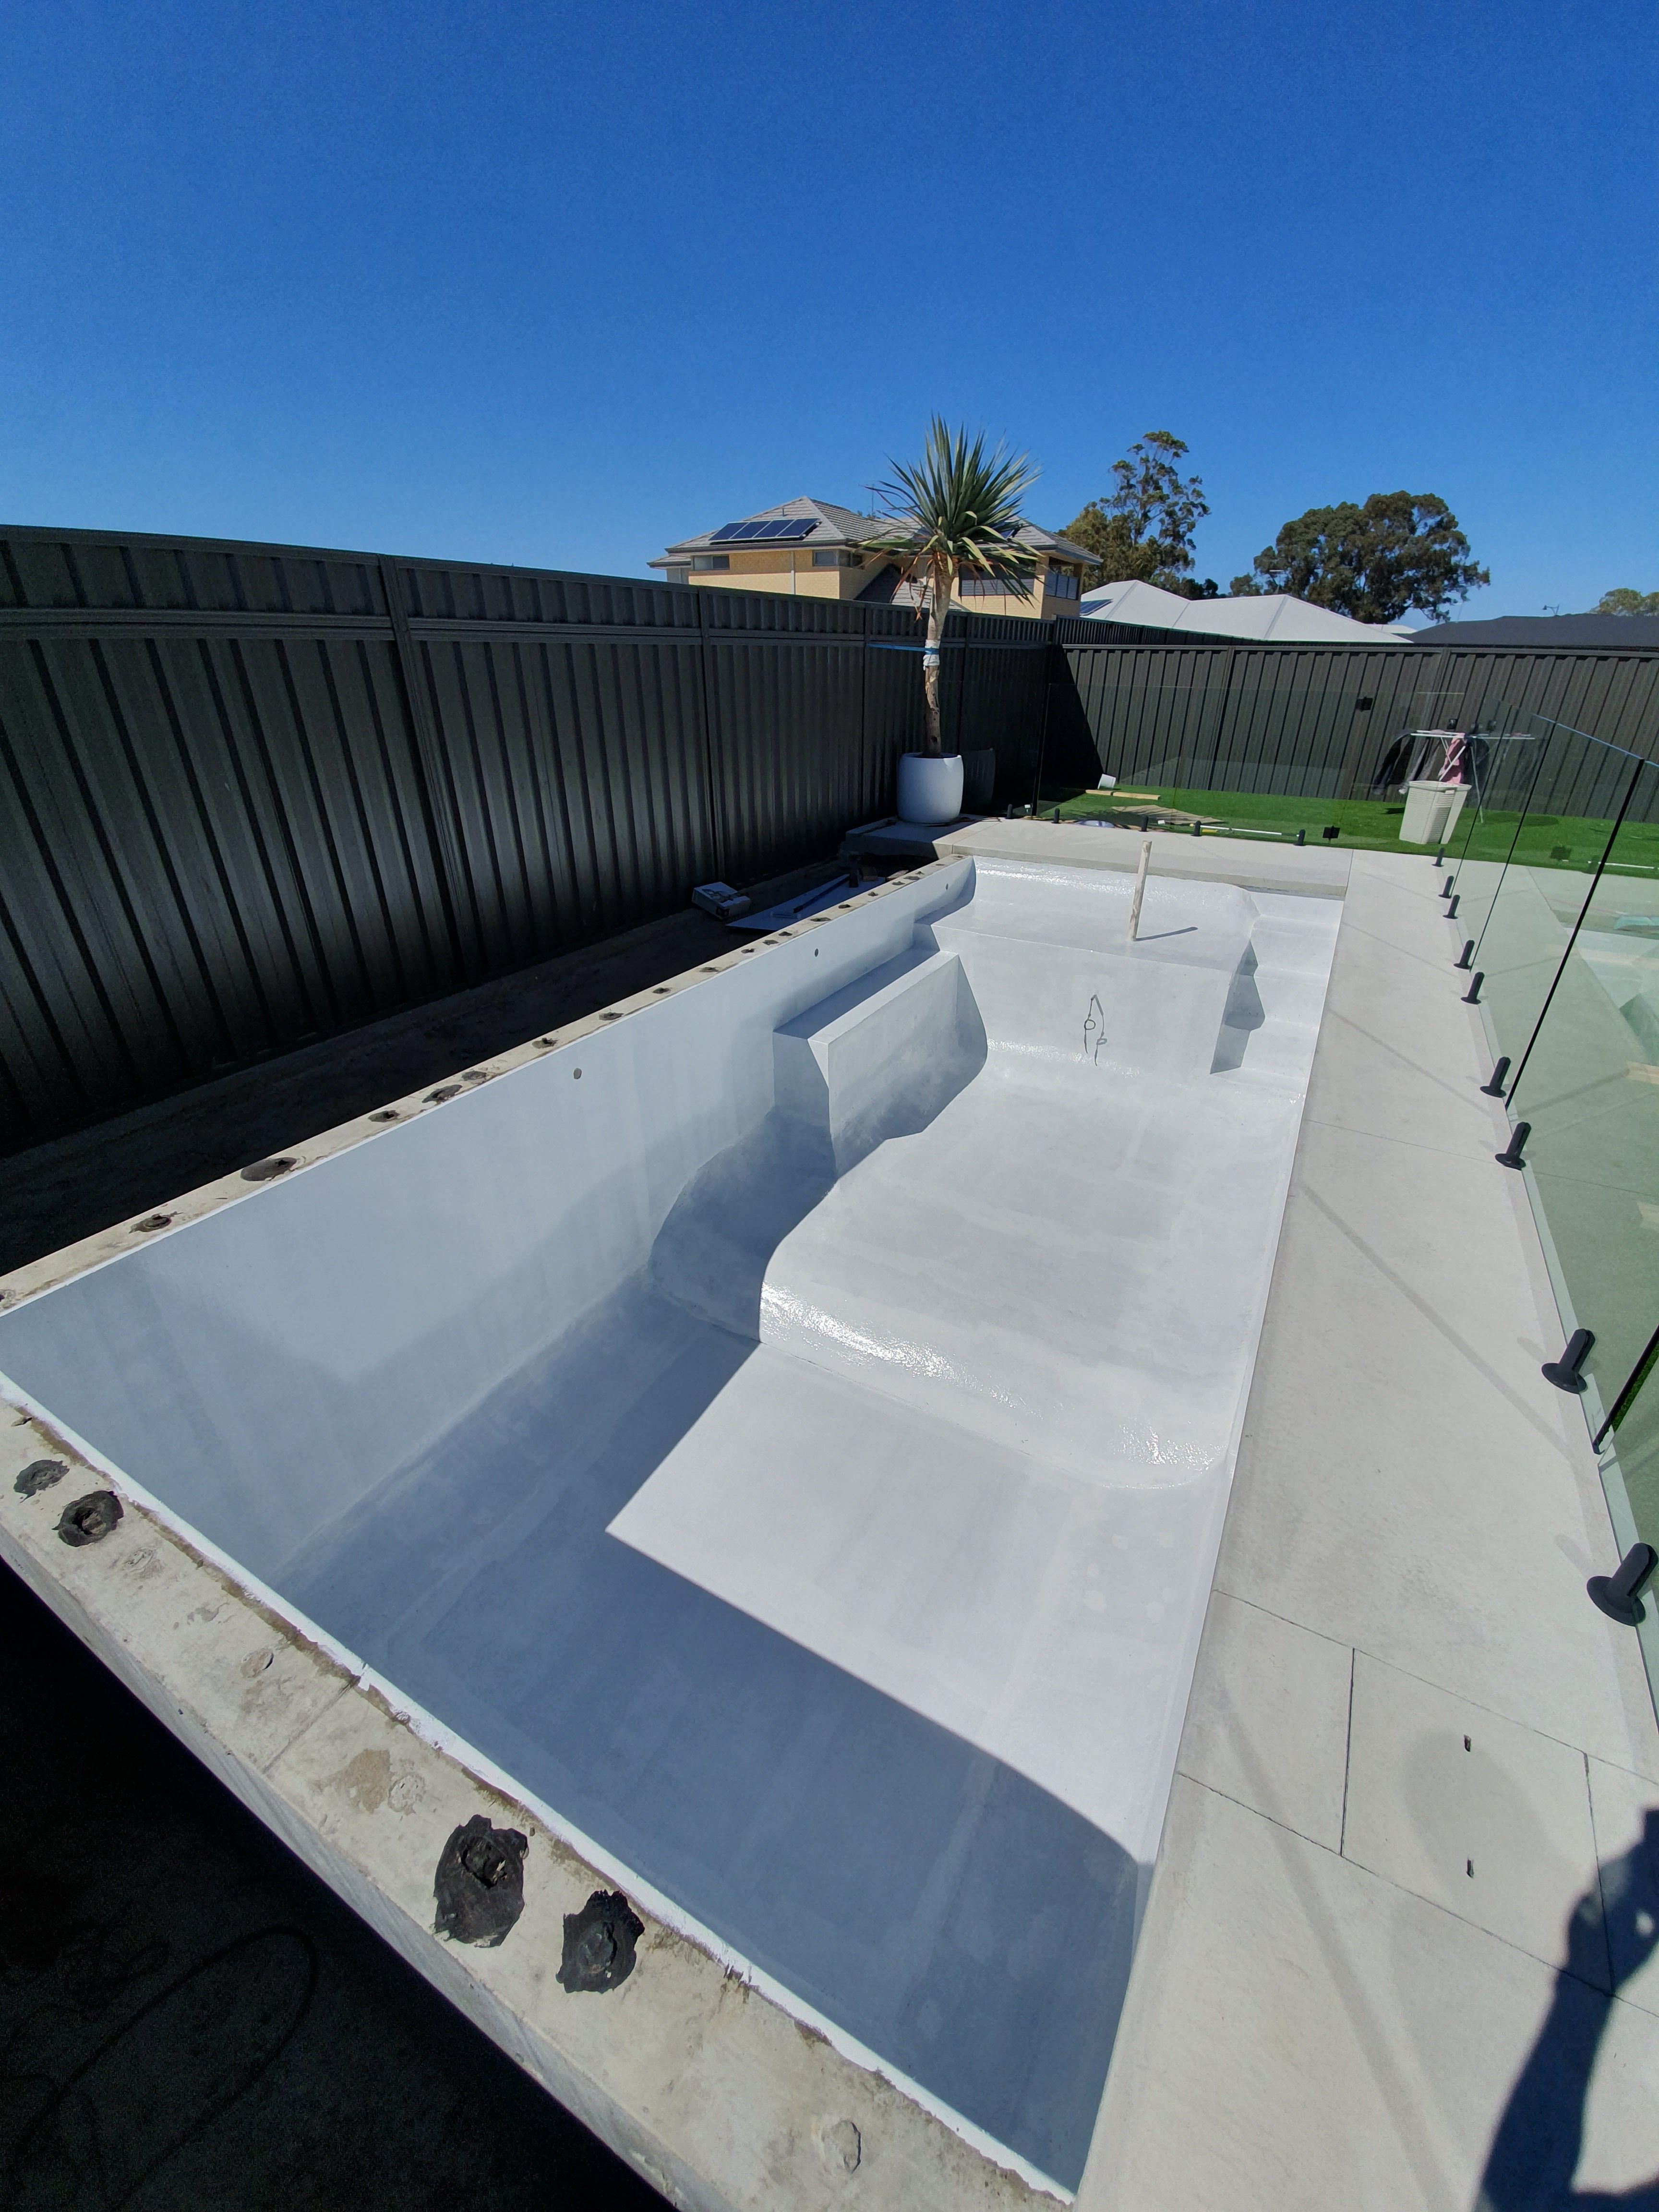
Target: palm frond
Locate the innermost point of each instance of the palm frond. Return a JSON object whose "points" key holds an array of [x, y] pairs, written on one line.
{"points": [[958, 507]]}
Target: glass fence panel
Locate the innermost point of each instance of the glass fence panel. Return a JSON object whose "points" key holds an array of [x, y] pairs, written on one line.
{"points": [[1590, 1088], [1501, 763], [1630, 1472], [1528, 909]]}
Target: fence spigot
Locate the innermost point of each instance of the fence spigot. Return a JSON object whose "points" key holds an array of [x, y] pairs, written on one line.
{"points": [[1495, 1088], [1451, 908], [1301, 837], [1565, 1372], [1620, 1596], [1510, 1156], [1440, 858], [1468, 953], [1446, 888], [1472, 996]]}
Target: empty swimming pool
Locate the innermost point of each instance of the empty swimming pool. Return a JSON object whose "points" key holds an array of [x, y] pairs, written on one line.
{"points": [[786, 1431]]}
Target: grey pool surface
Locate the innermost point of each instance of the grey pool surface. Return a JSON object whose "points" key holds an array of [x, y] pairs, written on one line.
{"points": [[795, 1450]]}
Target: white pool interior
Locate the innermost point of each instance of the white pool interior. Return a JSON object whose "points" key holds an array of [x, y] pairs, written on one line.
{"points": [[794, 1448]]}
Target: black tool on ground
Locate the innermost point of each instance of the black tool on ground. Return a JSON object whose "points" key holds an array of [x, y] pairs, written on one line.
{"points": [[479, 1884], [1565, 1372], [1335, 830], [1510, 1155], [1472, 996], [599, 1942], [1620, 1596], [1499, 1075], [1468, 953]]}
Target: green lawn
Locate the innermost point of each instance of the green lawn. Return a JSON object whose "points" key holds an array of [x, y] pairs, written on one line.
{"points": [[1547, 841]]}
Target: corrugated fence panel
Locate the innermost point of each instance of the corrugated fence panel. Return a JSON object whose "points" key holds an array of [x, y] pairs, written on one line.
{"points": [[251, 795]]}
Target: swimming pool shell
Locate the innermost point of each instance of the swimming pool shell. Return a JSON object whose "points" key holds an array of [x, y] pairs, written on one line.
{"points": [[788, 1431]]}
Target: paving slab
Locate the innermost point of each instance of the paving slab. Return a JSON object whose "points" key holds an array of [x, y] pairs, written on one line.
{"points": [[1267, 1722], [1302, 2034], [1489, 1820], [1625, 1809]]}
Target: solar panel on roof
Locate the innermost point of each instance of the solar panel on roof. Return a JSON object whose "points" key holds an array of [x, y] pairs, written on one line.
{"points": [[776, 527]]}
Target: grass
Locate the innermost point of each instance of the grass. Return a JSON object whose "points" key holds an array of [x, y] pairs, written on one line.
{"points": [[1547, 841]]}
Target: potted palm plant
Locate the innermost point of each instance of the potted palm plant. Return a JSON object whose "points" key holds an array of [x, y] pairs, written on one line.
{"points": [[955, 514]]}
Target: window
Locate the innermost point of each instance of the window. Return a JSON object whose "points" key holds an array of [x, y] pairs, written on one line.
{"points": [[826, 556], [711, 559], [679, 574], [1061, 586], [990, 587]]}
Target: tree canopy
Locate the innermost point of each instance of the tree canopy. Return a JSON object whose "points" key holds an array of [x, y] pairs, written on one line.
{"points": [[1623, 601], [1400, 550], [1142, 529]]}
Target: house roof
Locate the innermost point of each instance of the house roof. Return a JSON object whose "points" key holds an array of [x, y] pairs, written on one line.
{"points": [[1625, 633], [833, 525], [1269, 615]]}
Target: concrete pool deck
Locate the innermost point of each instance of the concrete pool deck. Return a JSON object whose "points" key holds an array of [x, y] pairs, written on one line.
{"points": [[1318, 2013]]}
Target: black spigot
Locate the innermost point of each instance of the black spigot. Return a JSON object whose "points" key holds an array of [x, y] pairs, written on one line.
{"points": [[1510, 1156], [1468, 953], [1301, 837], [1452, 907], [1495, 1088], [1446, 888], [1565, 1372], [1472, 996], [1620, 1596], [1440, 858]]}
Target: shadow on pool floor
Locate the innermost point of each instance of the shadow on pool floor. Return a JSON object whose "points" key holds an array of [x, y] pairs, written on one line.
{"points": [[189, 2019]]}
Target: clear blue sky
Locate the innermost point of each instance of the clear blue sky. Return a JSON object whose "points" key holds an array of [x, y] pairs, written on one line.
{"points": [[557, 284]]}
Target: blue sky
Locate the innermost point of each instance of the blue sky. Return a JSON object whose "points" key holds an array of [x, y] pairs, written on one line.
{"points": [[557, 284]]}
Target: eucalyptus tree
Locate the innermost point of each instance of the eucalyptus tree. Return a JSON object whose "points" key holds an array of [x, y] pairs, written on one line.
{"points": [[955, 513]]}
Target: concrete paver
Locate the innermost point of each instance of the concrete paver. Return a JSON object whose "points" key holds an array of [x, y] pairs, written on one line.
{"points": [[1268, 1720], [1489, 1820]]}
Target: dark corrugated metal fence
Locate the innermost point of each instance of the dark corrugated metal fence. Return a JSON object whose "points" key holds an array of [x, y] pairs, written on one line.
{"points": [[252, 795], [1314, 721]]}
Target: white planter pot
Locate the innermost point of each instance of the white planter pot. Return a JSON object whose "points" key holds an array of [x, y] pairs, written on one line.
{"points": [[929, 791]]}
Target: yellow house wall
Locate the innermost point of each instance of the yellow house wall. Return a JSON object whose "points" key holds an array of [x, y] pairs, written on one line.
{"points": [[771, 572]]}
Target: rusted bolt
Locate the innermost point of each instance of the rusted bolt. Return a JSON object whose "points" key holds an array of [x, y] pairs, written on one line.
{"points": [[39, 1474], [267, 1170], [88, 1519], [151, 1221]]}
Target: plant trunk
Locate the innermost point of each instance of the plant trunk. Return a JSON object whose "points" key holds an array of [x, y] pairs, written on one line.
{"points": [[939, 590]]}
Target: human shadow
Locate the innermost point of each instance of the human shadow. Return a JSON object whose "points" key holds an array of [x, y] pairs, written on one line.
{"points": [[1536, 2148]]}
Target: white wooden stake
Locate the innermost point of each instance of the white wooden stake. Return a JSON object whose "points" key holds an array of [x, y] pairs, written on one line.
{"points": [[1140, 886]]}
